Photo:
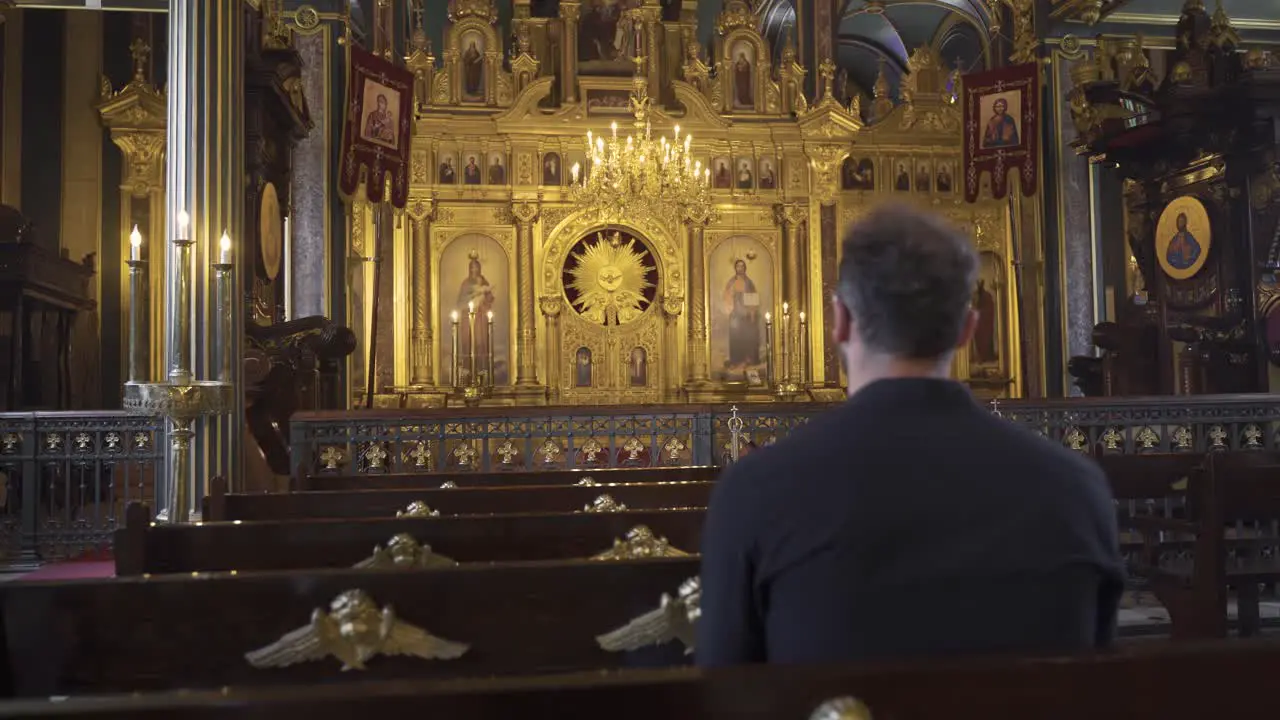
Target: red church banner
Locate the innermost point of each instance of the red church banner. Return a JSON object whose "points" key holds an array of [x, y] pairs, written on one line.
{"points": [[377, 129], [1001, 128]]}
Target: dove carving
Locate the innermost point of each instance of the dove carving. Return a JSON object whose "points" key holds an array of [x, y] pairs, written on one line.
{"points": [[353, 631]]}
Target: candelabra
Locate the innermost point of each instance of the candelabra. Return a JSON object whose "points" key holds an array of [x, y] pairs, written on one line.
{"points": [[785, 387], [182, 399], [479, 383]]}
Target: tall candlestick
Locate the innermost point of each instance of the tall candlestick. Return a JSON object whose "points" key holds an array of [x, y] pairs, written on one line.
{"points": [[471, 337], [223, 298], [490, 346], [802, 345], [135, 245], [288, 271], [456, 359], [768, 348], [180, 363], [138, 309], [786, 343]]}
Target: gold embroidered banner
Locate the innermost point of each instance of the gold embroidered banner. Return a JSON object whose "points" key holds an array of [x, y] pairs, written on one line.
{"points": [[377, 129], [1001, 128]]}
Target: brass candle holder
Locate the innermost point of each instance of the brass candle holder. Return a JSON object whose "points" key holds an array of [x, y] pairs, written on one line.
{"points": [[479, 384], [182, 399]]}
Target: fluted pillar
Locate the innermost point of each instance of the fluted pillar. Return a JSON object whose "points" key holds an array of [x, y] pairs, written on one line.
{"points": [[205, 178], [788, 217], [696, 350], [569, 70], [421, 212], [551, 306], [672, 305], [525, 215]]}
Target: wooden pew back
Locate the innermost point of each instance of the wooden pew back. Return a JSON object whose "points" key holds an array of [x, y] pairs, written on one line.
{"points": [[127, 634], [1187, 683], [142, 547], [221, 506]]}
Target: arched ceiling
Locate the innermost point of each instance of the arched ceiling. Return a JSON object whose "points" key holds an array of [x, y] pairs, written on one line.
{"points": [[888, 31]]}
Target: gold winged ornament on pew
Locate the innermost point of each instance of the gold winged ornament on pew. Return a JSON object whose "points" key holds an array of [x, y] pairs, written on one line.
{"points": [[587, 481], [354, 631], [674, 619], [640, 543], [417, 509], [842, 708], [403, 552], [604, 504]]}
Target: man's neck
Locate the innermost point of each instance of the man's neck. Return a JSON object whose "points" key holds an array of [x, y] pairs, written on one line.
{"points": [[883, 367]]}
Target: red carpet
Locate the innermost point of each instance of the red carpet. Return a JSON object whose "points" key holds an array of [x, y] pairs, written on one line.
{"points": [[71, 570]]}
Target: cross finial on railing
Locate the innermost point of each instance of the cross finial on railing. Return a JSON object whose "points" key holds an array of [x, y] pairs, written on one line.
{"points": [[735, 433], [995, 407]]}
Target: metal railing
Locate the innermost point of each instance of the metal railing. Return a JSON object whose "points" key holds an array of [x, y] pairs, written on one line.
{"points": [[66, 477], [557, 438]]}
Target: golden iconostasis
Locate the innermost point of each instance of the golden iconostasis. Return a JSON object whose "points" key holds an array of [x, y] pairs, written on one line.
{"points": [[498, 290]]}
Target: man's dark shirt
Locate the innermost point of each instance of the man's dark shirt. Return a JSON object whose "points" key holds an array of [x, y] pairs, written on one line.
{"points": [[908, 522]]}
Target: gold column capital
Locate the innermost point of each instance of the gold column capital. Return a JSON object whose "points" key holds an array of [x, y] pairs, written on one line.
{"points": [[825, 161], [672, 306], [421, 208], [525, 212], [551, 305], [788, 215]]}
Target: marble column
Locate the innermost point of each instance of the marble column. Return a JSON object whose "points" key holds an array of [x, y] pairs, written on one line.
{"points": [[205, 178], [309, 187], [788, 217], [1075, 233], [696, 349], [420, 332], [525, 215]]}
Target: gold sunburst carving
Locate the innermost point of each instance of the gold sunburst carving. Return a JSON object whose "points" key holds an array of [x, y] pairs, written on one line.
{"points": [[609, 279]]}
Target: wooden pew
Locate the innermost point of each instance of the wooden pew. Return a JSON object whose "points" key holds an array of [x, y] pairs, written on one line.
{"points": [[127, 634], [221, 506], [1221, 680], [697, 473], [1231, 489], [144, 547]]}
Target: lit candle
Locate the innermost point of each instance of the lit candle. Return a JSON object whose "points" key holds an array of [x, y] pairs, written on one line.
{"points": [[456, 359], [614, 127], [786, 310], [224, 249], [768, 348], [288, 271], [803, 348], [489, 363], [471, 341], [184, 224], [135, 245], [573, 172], [677, 132]]}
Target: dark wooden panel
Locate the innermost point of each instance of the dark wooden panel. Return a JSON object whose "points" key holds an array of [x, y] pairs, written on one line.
{"points": [[143, 548], [150, 634], [457, 501]]}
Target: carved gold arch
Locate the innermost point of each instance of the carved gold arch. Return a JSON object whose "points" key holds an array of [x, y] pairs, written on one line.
{"points": [[441, 238], [497, 82], [562, 237], [611, 347]]}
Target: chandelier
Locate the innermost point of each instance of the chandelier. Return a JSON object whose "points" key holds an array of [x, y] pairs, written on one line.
{"points": [[639, 176]]}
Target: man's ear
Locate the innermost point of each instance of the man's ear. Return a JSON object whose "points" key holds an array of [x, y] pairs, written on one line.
{"points": [[970, 326], [841, 321]]}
